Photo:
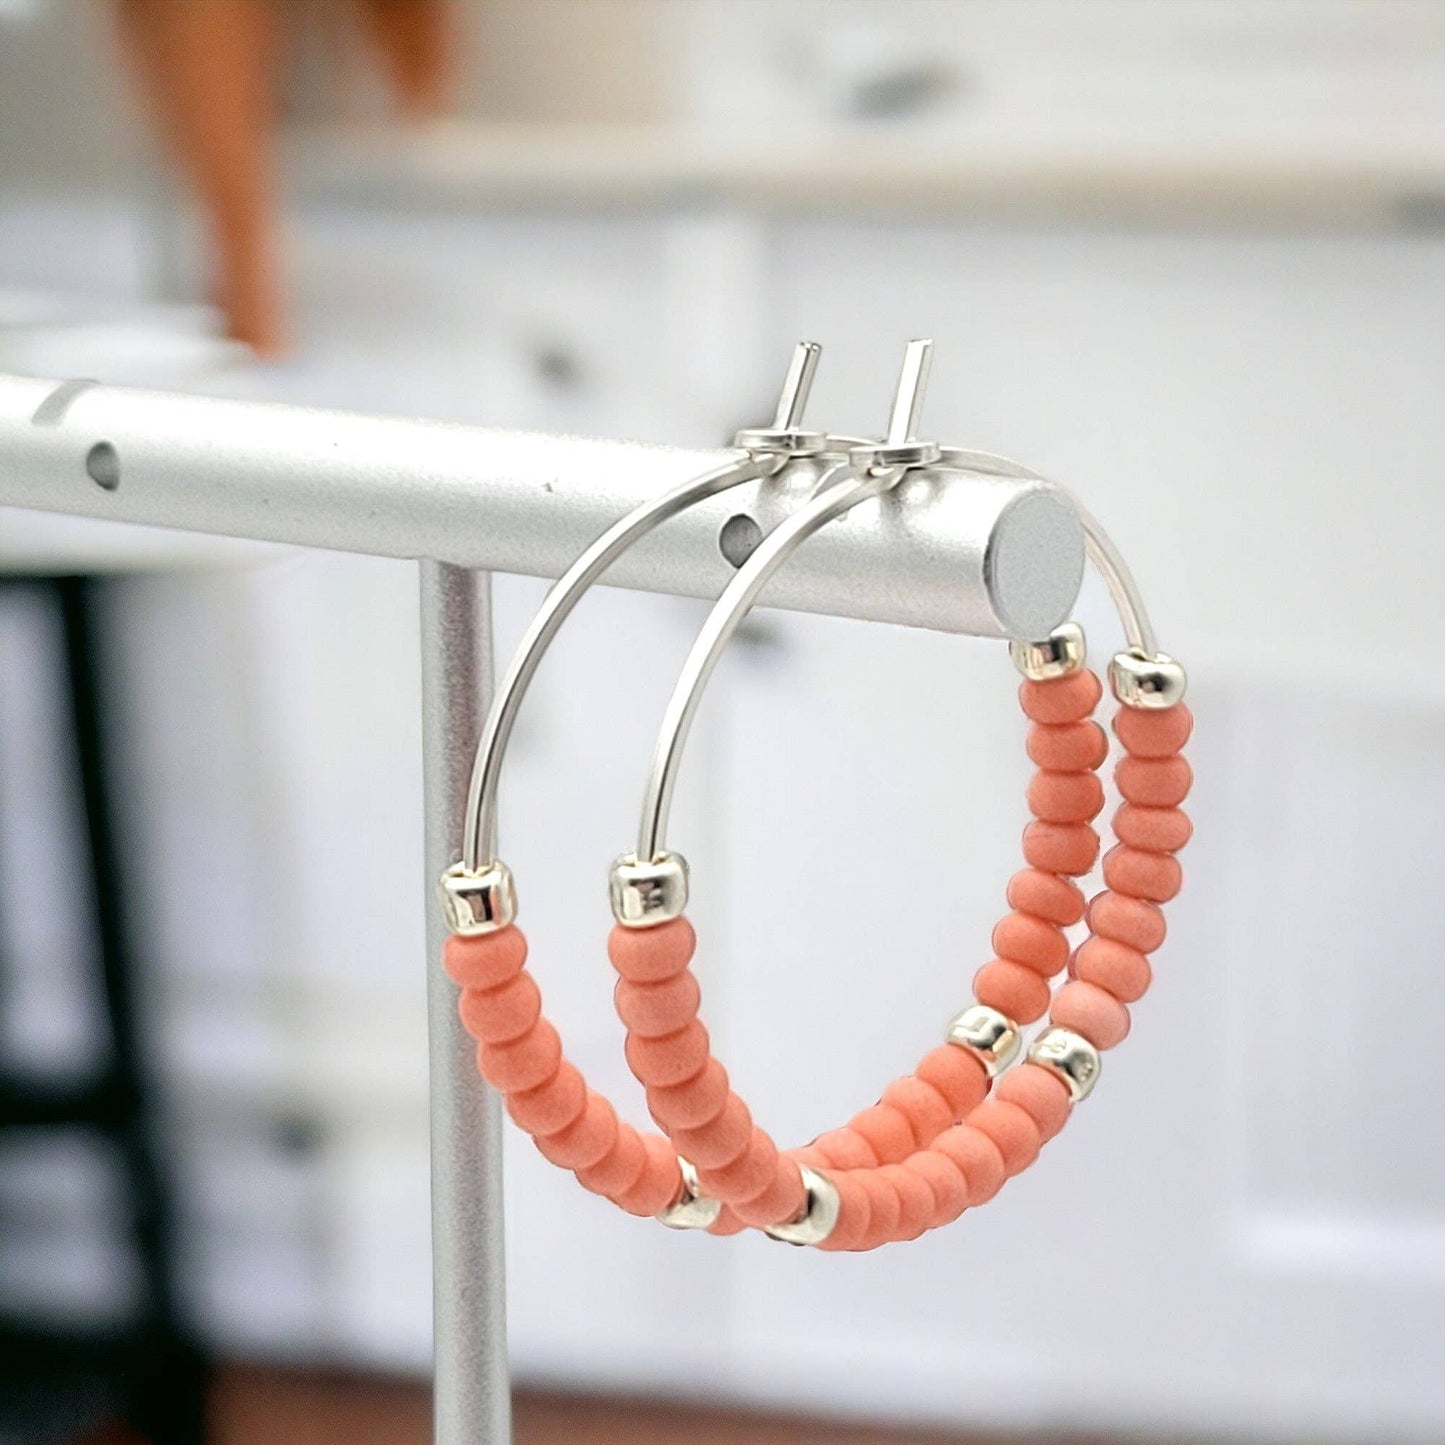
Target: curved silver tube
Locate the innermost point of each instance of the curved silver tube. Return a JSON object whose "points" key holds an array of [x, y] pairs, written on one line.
{"points": [[1106, 557], [479, 837], [832, 499]]}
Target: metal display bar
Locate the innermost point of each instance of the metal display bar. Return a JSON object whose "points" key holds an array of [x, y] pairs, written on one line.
{"points": [[956, 552], [471, 1397]]}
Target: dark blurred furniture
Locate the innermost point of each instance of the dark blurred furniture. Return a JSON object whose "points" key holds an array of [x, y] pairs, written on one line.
{"points": [[146, 1372]]}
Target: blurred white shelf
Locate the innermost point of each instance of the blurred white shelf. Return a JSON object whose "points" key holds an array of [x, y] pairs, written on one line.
{"points": [[1342, 174]]}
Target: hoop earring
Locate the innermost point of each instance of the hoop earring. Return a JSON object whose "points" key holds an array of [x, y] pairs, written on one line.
{"points": [[934, 1145]]}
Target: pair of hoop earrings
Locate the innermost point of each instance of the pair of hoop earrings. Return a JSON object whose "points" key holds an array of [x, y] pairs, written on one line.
{"points": [[945, 1137]]}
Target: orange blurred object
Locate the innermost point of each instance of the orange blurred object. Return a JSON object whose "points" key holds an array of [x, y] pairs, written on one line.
{"points": [[208, 68]]}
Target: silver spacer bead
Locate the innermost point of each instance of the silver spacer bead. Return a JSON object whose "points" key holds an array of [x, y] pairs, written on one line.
{"points": [[1147, 682], [692, 1209], [993, 1037], [646, 894], [1071, 1057], [819, 1216], [1060, 653], [478, 902]]}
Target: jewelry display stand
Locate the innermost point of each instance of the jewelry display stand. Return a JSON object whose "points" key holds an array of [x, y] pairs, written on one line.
{"points": [[963, 551]]}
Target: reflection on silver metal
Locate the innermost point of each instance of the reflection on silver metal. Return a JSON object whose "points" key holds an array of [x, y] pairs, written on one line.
{"points": [[1071, 1057], [528, 503], [992, 1036], [478, 902], [820, 1211], [1147, 682], [471, 1389], [692, 1209], [646, 894], [901, 446], [1063, 651], [786, 434]]}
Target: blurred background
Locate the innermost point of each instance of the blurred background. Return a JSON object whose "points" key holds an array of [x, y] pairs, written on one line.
{"points": [[1187, 256]]}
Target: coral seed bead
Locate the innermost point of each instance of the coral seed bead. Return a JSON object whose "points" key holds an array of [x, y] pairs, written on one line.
{"points": [[1063, 699], [1115, 967], [1069, 848], [1134, 921], [1150, 734], [649, 955], [1153, 876], [1014, 989], [1091, 1011], [1046, 896]]}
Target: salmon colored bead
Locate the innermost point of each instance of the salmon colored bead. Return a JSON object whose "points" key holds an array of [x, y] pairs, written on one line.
{"points": [[978, 1158], [1129, 920], [782, 1200], [845, 1149], [1013, 989], [1061, 699], [1066, 797], [651, 1010], [587, 1139], [672, 1059], [1154, 782], [1046, 896], [1061, 847], [523, 1063], [720, 1141], [499, 1015], [660, 1183], [1041, 1094], [884, 1210], [1153, 876], [1013, 1132], [926, 1110], [619, 1168], [748, 1174], [692, 1102], [854, 1215], [1091, 1011], [1072, 747], [1114, 967], [915, 1201], [1022, 938], [1157, 830], [1150, 734], [486, 960], [549, 1106], [957, 1074], [649, 955], [946, 1182], [886, 1131]]}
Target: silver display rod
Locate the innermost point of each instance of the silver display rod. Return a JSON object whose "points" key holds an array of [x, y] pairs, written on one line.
{"points": [[471, 1401], [953, 550], [957, 552]]}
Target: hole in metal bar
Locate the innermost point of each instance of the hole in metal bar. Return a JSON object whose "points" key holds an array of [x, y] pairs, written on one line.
{"points": [[739, 539], [102, 465]]}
